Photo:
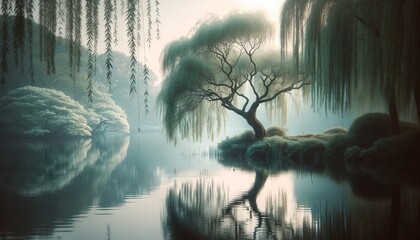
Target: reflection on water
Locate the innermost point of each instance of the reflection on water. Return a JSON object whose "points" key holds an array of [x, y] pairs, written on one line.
{"points": [[294, 206], [141, 187], [44, 184]]}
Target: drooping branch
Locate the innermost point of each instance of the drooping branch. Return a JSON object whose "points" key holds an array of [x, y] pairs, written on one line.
{"points": [[19, 32], [224, 68], [4, 42], [29, 18], [109, 7], [130, 22], [92, 36]]}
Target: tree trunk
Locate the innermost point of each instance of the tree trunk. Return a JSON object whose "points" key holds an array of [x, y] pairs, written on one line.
{"points": [[396, 190], [416, 91], [256, 125], [260, 179], [251, 195], [393, 114]]}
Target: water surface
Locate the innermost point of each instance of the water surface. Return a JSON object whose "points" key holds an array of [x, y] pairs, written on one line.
{"points": [[141, 187]]}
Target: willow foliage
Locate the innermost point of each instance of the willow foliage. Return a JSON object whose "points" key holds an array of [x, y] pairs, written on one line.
{"points": [[64, 19], [108, 18], [19, 32], [222, 66], [29, 21], [92, 40], [358, 51], [4, 41], [131, 24]]}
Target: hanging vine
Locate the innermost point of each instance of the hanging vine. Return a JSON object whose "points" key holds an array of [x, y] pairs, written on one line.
{"points": [[73, 34], [131, 23], [48, 21], [77, 33], [146, 89], [4, 42], [115, 23], [92, 41], [19, 32], [145, 69], [63, 19], [157, 21], [149, 23], [109, 7], [29, 19]]}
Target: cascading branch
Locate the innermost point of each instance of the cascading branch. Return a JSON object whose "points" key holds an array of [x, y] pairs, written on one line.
{"points": [[357, 51], [4, 41], [64, 19], [108, 40], [29, 19], [131, 33]]}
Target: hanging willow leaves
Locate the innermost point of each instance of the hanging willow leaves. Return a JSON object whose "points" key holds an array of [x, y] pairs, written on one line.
{"points": [[52, 25], [73, 28], [139, 22], [91, 30], [19, 31], [108, 40], [29, 18], [4, 41], [77, 32], [130, 23], [73, 32], [69, 32], [157, 21], [42, 10], [146, 80], [95, 30], [61, 18], [149, 23], [48, 20], [358, 52]]}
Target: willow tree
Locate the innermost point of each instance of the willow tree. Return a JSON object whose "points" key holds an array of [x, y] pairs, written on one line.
{"points": [[222, 66], [358, 51], [66, 19]]}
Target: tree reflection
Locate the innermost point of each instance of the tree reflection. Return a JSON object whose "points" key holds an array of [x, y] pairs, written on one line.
{"points": [[53, 181], [364, 210], [201, 210]]}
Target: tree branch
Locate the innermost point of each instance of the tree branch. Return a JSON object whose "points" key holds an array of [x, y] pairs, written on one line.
{"points": [[284, 90]]}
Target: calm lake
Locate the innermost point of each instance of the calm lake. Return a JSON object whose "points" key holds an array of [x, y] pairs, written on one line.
{"points": [[141, 187]]}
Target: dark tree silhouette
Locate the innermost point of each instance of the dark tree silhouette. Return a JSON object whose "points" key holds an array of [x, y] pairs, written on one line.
{"points": [[223, 63]]}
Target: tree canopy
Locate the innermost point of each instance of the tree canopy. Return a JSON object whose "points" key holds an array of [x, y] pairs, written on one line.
{"points": [[41, 111], [223, 65], [358, 52]]}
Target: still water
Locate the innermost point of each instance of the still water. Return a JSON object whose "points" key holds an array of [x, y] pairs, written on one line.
{"points": [[141, 187]]}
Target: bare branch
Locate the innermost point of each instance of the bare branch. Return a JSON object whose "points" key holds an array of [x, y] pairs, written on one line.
{"points": [[284, 90]]}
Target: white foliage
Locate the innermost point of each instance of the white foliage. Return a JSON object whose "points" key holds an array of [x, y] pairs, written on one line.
{"points": [[110, 112], [40, 111]]}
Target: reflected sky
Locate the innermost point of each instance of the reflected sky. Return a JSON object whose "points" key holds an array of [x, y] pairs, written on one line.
{"points": [[74, 189]]}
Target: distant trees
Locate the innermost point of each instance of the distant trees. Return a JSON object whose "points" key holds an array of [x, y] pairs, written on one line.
{"points": [[223, 65], [357, 51], [41, 111]]}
